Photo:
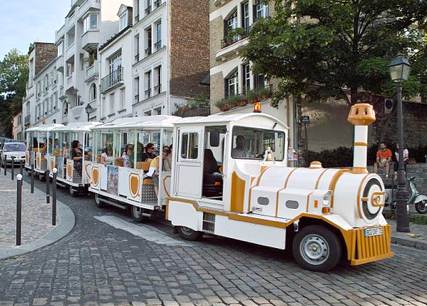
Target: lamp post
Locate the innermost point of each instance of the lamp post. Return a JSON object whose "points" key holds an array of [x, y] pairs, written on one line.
{"points": [[88, 110], [399, 72]]}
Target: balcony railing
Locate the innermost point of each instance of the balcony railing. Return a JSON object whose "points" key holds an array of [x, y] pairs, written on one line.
{"points": [[136, 18], [137, 57], [234, 36], [136, 99], [148, 93], [148, 10], [157, 3], [158, 45], [91, 71], [157, 89], [112, 79], [148, 51]]}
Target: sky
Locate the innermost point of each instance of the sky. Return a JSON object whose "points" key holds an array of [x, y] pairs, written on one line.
{"points": [[25, 21]]}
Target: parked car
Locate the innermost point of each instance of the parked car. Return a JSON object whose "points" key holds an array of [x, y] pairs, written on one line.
{"points": [[13, 149]]}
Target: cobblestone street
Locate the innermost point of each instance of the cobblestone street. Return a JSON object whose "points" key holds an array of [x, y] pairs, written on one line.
{"points": [[100, 264], [36, 214]]}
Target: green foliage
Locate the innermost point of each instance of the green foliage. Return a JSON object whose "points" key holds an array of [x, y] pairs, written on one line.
{"points": [[13, 78], [320, 48], [198, 106]]}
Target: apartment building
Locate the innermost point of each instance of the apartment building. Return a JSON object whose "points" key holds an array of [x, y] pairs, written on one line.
{"points": [[17, 128], [170, 54], [40, 104], [232, 82], [115, 58], [88, 24]]}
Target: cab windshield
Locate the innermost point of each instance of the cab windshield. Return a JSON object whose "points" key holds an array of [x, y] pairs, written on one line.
{"points": [[251, 143], [14, 147]]}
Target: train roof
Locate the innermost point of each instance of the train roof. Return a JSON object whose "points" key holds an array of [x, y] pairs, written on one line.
{"points": [[146, 122], [77, 127], [44, 128], [224, 118]]}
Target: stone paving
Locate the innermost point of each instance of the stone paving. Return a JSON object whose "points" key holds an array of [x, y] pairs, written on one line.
{"points": [[98, 264], [36, 214]]}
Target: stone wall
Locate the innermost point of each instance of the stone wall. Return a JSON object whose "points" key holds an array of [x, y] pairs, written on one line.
{"points": [[44, 54], [420, 172], [189, 47]]}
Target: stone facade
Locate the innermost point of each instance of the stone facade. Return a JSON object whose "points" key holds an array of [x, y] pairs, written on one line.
{"points": [[44, 53], [189, 47]]}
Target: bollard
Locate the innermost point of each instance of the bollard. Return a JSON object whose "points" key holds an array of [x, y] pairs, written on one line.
{"points": [[12, 171], [5, 166], [32, 178], [18, 208], [55, 172], [46, 175]]}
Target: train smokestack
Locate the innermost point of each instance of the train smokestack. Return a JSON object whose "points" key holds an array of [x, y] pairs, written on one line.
{"points": [[361, 116]]}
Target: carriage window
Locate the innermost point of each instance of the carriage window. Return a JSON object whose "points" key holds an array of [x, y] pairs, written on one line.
{"points": [[190, 145], [251, 143]]}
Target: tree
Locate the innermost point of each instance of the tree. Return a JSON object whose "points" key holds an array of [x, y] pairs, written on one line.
{"points": [[319, 49], [13, 78]]}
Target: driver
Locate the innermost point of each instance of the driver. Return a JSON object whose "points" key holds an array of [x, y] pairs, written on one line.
{"points": [[239, 150]]}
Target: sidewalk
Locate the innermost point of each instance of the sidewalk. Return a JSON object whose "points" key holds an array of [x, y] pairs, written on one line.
{"points": [[37, 229], [417, 238]]}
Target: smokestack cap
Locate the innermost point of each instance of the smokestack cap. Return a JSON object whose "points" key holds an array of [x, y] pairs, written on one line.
{"points": [[361, 114]]}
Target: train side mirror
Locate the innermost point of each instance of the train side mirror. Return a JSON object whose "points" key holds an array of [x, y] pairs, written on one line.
{"points": [[214, 139]]}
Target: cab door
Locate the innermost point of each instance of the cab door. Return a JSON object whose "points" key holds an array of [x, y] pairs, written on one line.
{"points": [[189, 163]]}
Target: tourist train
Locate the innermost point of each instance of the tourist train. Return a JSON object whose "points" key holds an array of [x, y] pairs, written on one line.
{"points": [[227, 175]]}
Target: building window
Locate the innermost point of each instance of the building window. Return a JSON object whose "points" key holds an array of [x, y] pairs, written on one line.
{"points": [[90, 23], [148, 41], [147, 86], [259, 81], [157, 80], [230, 24], [112, 98], [147, 113], [158, 29], [136, 42], [261, 10], [245, 16], [115, 62], [246, 72], [136, 89], [122, 98], [147, 7], [92, 92], [137, 6], [71, 36], [56, 101], [232, 84], [124, 20], [158, 111]]}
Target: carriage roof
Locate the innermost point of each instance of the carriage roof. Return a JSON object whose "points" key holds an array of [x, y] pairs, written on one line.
{"points": [[146, 122], [44, 128], [76, 127]]}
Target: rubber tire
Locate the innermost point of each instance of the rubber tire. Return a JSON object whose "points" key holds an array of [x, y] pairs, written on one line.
{"points": [[72, 192], [98, 201], [421, 207], [42, 177], [189, 234], [137, 216], [335, 248]]}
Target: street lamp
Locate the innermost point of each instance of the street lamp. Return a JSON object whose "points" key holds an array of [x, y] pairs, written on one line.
{"points": [[399, 72], [88, 110]]}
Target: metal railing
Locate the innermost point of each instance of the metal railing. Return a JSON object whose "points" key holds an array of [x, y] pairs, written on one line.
{"points": [[231, 39], [112, 79], [91, 71], [148, 10], [148, 93], [158, 45]]}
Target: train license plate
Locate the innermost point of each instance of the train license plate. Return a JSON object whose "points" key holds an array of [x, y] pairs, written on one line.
{"points": [[373, 231]]}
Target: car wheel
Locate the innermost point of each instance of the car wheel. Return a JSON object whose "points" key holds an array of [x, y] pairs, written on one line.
{"points": [[98, 201], [316, 248], [189, 234]]}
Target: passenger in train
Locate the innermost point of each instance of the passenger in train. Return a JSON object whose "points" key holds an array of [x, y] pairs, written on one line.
{"points": [[155, 167], [128, 156], [106, 156], [239, 150], [77, 156], [149, 152]]}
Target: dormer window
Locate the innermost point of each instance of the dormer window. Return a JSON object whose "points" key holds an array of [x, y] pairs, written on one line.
{"points": [[124, 20]]}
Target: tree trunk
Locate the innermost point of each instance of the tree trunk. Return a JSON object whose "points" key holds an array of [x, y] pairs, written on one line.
{"points": [[299, 132]]}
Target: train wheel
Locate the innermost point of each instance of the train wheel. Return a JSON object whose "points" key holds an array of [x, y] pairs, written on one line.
{"points": [[72, 191], [189, 234], [98, 201], [316, 248], [136, 213]]}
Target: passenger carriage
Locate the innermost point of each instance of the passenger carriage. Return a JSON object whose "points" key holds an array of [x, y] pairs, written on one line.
{"points": [[323, 215], [40, 147], [129, 184], [70, 172]]}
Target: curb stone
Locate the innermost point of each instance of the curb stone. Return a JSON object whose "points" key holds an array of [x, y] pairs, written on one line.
{"points": [[65, 224], [409, 242]]}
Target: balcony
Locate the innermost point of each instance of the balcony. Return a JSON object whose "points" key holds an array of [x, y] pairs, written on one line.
{"points": [[91, 72], [232, 44], [112, 80], [148, 10], [78, 113], [90, 40], [70, 83], [89, 5]]}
